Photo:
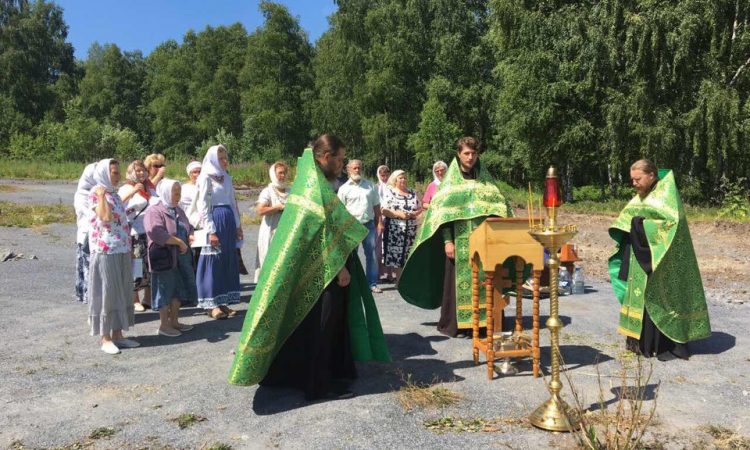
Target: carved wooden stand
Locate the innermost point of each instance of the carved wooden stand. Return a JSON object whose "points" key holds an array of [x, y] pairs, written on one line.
{"points": [[493, 242]]}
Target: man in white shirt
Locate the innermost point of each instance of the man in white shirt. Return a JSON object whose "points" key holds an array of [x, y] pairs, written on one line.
{"points": [[363, 202]]}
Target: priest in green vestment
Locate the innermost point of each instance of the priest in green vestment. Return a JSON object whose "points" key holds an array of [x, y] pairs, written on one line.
{"points": [[438, 270], [654, 272], [312, 313]]}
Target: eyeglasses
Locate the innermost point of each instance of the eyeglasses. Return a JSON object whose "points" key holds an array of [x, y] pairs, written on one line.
{"points": [[158, 166]]}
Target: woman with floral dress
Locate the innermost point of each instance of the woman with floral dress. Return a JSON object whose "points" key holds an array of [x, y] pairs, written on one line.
{"points": [[401, 207], [110, 275]]}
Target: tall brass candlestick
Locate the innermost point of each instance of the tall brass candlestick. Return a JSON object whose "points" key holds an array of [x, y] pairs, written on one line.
{"points": [[554, 414]]}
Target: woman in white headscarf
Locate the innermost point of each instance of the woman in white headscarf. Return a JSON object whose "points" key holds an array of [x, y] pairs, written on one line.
{"points": [[270, 205], [438, 172], [190, 188], [80, 203], [218, 276], [172, 281], [110, 275]]}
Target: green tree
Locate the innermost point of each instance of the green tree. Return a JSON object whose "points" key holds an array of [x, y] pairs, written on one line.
{"points": [[34, 54], [276, 83]]}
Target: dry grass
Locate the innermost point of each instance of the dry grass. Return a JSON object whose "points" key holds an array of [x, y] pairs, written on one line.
{"points": [[726, 439], [417, 395], [620, 423], [475, 424], [102, 432], [9, 188], [24, 216]]}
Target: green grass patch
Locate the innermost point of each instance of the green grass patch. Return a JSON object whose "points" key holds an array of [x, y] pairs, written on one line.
{"points": [[185, 420], [102, 432], [24, 216], [244, 173]]}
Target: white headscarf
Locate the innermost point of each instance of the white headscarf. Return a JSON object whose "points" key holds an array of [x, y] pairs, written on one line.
{"points": [[274, 179], [164, 191], [101, 175], [211, 165], [85, 184], [192, 165], [377, 173], [436, 166]]}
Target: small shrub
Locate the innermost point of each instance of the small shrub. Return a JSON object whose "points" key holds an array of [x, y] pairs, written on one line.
{"points": [[736, 202], [587, 193]]}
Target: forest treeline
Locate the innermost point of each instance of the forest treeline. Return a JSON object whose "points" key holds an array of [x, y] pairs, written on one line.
{"points": [[588, 86]]}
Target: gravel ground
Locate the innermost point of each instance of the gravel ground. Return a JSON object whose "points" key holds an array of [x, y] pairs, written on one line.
{"points": [[58, 387]]}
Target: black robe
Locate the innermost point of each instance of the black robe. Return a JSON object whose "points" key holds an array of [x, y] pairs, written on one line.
{"points": [[652, 341], [319, 350]]}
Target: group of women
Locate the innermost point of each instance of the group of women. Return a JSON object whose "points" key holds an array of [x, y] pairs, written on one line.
{"points": [[400, 207], [137, 239]]}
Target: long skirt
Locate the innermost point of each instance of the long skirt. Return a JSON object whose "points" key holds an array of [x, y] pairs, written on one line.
{"points": [[177, 283], [82, 271], [110, 293], [218, 274]]}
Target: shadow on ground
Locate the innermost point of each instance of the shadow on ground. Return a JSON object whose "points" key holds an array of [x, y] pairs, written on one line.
{"points": [[719, 342], [407, 352], [210, 331]]}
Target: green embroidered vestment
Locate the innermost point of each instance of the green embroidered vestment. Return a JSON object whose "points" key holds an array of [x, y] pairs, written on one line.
{"points": [[673, 294], [464, 204], [314, 237]]}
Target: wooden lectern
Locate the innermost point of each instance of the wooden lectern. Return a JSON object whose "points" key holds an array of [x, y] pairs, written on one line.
{"points": [[494, 241]]}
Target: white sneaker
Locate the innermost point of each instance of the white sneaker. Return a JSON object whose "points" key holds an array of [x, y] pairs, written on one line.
{"points": [[110, 348], [126, 343], [138, 307]]}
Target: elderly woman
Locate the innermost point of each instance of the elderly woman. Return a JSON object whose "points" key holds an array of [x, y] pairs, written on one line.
{"points": [[110, 279], [172, 278], [270, 205], [401, 208], [156, 166], [218, 276], [137, 198], [80, 203], [438, 172]]}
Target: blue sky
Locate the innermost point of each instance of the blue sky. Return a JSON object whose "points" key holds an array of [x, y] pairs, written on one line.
{"points": [[144, 24]]}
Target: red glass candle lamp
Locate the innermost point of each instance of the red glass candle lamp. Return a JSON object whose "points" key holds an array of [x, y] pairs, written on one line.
{"points": [[552, 198]]}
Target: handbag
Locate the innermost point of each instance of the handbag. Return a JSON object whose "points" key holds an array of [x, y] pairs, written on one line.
{"points": [[159, 258]]}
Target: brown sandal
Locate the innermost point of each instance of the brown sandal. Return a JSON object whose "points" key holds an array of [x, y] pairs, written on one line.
{"points": [[216, 313], [228, 311]]}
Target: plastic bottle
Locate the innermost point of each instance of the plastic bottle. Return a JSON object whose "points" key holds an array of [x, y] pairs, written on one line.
{"points": [[578, 281], [563, 281]]}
